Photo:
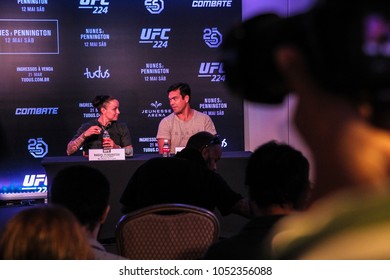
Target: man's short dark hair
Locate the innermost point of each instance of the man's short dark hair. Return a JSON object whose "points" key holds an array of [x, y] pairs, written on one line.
{"points": [[184, 88], [202, 139], [277, 174], [83, 190]]}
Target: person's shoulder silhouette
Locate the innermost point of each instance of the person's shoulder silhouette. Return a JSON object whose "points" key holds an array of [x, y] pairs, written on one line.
{"points": [[277, 176]]}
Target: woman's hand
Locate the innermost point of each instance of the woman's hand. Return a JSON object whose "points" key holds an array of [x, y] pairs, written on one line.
{"points": [[108, 143], [92, 131]]}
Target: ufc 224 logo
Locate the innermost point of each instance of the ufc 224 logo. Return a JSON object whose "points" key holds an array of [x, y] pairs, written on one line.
{"points": [[213, 70], [157, 36], [97, 6], [35, 180]]}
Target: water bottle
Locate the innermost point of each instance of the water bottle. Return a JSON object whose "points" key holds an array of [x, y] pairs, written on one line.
{"points": [[166, 149], [106, 136]]}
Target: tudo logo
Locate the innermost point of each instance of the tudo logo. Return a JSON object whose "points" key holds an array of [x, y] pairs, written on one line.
{"points": [[97, 74]]}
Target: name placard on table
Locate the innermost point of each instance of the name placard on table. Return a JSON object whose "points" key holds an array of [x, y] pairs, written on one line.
{"points": [[106, 154]]}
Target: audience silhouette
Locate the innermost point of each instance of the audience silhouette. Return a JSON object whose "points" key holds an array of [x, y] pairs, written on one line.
{"points": [[185, 178], [277, 176], [341, 80], [44, 233], [85, 191]]}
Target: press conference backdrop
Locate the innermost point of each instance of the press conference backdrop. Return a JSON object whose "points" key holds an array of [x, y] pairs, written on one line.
{"points": [[57, 55]]}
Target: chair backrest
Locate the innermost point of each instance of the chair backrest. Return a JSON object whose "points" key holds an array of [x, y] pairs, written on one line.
{"points": [[166, 231]]}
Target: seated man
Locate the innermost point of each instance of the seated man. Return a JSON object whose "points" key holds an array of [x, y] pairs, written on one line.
{"points": [[185, 178], [184, 121], [85, 191], [278, 179], [203, 147]]}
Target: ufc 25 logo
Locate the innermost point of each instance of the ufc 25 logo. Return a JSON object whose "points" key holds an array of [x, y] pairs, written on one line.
{"points": [[154, 6], [37, 147], [212, 37]]}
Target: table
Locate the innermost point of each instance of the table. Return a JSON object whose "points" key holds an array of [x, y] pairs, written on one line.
{"points": [[118, 172]]}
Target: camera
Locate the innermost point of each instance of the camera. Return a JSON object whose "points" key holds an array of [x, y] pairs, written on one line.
{"points": [[345, 44]]}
